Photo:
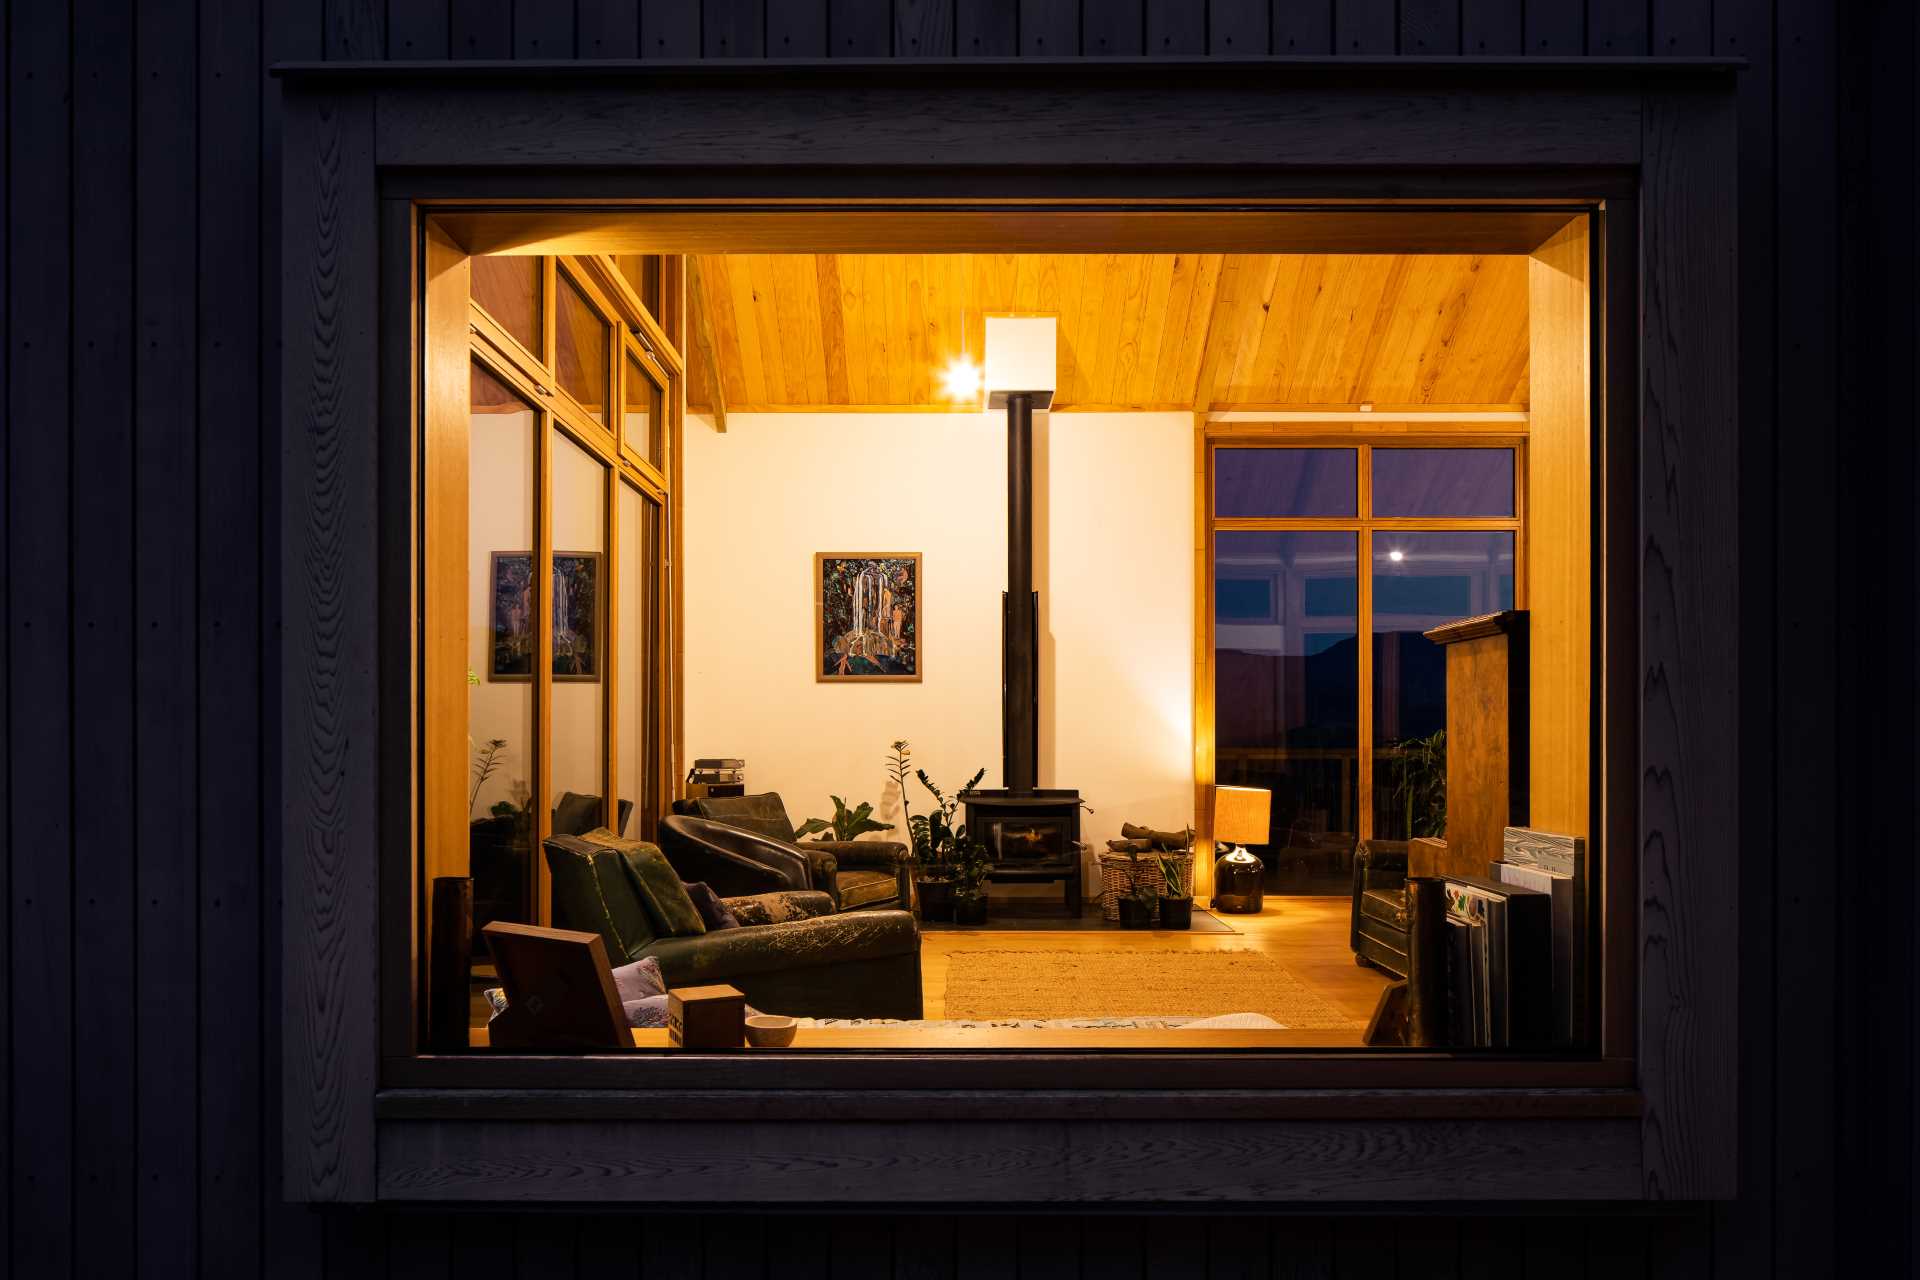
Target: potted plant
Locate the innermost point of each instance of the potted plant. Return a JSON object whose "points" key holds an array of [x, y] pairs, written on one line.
{"points": [[1176, 904], [1420, 792], [970, 883], [937, 842], [846, 824], [1136, 909]]}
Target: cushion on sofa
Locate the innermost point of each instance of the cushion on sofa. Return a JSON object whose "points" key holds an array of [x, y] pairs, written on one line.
{"points": [[672, 911], [778, 908], [593, 890], [765, 814], [713, 912], [858, 888], [573, 813], [639, 980]]}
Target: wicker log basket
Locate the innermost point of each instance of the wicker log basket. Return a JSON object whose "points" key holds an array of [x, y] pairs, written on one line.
{"points": [[1119, 867]]}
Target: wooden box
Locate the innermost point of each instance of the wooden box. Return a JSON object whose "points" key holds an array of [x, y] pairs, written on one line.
{"points": [[707, 1018]]}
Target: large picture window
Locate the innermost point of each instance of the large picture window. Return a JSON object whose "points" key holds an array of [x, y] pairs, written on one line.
{"points": [[1329, 563]]}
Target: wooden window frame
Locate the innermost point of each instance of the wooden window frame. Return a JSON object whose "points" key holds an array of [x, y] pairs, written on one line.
{"points": [[1364, 439], [535, 377], [1645, 147]]}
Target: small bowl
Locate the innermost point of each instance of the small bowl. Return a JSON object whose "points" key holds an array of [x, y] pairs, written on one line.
{"points": [[770, 1031]]}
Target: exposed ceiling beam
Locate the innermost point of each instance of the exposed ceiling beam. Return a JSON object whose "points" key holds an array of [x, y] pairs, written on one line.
{"points": [[701, 322]]}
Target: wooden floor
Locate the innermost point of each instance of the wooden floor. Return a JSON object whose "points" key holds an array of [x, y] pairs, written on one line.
{"points": [[1307, 935]]}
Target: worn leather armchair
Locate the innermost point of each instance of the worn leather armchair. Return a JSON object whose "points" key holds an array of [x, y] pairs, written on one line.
{"points": [[1381, 931], [861, 875], [792, 954]]}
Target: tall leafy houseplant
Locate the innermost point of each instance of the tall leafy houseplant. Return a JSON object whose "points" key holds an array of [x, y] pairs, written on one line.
{"points": [[1420, 792], [937, 844], [846, 824]]}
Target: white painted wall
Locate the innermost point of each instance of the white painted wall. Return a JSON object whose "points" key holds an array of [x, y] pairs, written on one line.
{"points": [[1114, 516]]}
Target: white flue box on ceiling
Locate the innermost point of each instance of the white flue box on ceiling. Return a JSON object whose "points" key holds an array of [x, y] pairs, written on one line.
{"points": [[1022, 356]]}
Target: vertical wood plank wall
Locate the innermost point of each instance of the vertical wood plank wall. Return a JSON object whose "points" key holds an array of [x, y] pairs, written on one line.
{"points": [[140, 542]]}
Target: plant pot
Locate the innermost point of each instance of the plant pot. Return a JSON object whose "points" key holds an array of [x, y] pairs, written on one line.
{"points": [[1176, 913], [1136, 913], [936, 899], [969, 908]]}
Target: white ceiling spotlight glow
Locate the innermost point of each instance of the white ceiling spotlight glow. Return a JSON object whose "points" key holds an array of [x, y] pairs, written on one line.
{"points": [[961, 379]]}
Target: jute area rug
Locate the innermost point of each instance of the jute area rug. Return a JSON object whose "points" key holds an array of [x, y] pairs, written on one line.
{"points": [[1038, 983]]}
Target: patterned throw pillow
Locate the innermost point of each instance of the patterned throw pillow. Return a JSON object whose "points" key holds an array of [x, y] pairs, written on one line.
{"points": [[713, 912], [651, 1012], [639, 980]]}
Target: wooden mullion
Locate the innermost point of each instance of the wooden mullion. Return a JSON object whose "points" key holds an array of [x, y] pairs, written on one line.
{"points": [[543, 663], [631, 308], [670, 685], [1256, 524], [1205, 727], [1520, 592], [502, 365], [610, 651], [507, 347], [1445, 524], [582, 429], [1415, 435], [1363, 626], [549, 310]]}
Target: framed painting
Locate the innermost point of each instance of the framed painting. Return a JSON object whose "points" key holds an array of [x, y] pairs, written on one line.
{"points": [[576, 616], [866, 616]]}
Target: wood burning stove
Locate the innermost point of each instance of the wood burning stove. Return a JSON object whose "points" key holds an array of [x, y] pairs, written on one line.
{"points": [[1030, 833], [1031, 836]]}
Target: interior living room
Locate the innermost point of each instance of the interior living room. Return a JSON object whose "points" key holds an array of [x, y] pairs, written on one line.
{"points": [[1044, 648]]}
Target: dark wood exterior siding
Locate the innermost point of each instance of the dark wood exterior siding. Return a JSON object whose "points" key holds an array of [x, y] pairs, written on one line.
{"points": [[142, 636]]}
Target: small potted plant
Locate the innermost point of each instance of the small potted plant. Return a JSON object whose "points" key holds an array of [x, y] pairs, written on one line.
{"points": [[970, 884], [1136, 909], [937, 838], [1176, 904]]}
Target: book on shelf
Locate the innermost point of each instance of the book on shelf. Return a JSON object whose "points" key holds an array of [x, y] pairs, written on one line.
{"points": [[719, 762]]}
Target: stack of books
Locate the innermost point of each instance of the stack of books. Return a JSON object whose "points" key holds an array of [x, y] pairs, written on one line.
{"points": [[1499, 948], [1556, 866], [717, 776]]}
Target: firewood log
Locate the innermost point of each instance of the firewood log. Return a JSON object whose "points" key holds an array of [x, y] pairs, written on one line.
{"points": [[1170, 841]]}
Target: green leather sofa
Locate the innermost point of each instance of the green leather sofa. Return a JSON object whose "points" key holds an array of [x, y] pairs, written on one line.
{"points": [[805, 961], [862, 875]]}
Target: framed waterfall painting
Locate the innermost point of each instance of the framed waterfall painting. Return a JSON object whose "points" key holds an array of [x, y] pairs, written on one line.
{"points": [[866, 616], [576, 616]]}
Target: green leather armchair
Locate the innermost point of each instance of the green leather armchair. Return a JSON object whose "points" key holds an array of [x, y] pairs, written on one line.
{"points": [[805, 960], [861, 875]]}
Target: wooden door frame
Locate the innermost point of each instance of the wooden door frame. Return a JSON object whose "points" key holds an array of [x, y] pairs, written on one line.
{"points": [[1650, 144]]}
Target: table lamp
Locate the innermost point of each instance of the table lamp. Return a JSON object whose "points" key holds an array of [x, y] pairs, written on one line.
{"points": [[1240, 817]]}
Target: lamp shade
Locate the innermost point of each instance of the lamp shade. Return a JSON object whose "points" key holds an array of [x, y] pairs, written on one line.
{"points": [[1240, 814]]}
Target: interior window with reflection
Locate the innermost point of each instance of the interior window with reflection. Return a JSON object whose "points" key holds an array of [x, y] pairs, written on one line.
{"points": [[580, 349], [1286, 670], [578, 789], [1423, 580], [502, 731], [508, 288]]}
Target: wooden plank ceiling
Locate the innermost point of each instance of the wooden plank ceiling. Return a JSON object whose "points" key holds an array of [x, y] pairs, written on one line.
{"points": [[801, 332]]}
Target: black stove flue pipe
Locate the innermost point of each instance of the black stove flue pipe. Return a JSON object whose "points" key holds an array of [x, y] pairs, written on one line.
{"points": [[1020, 611]]}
